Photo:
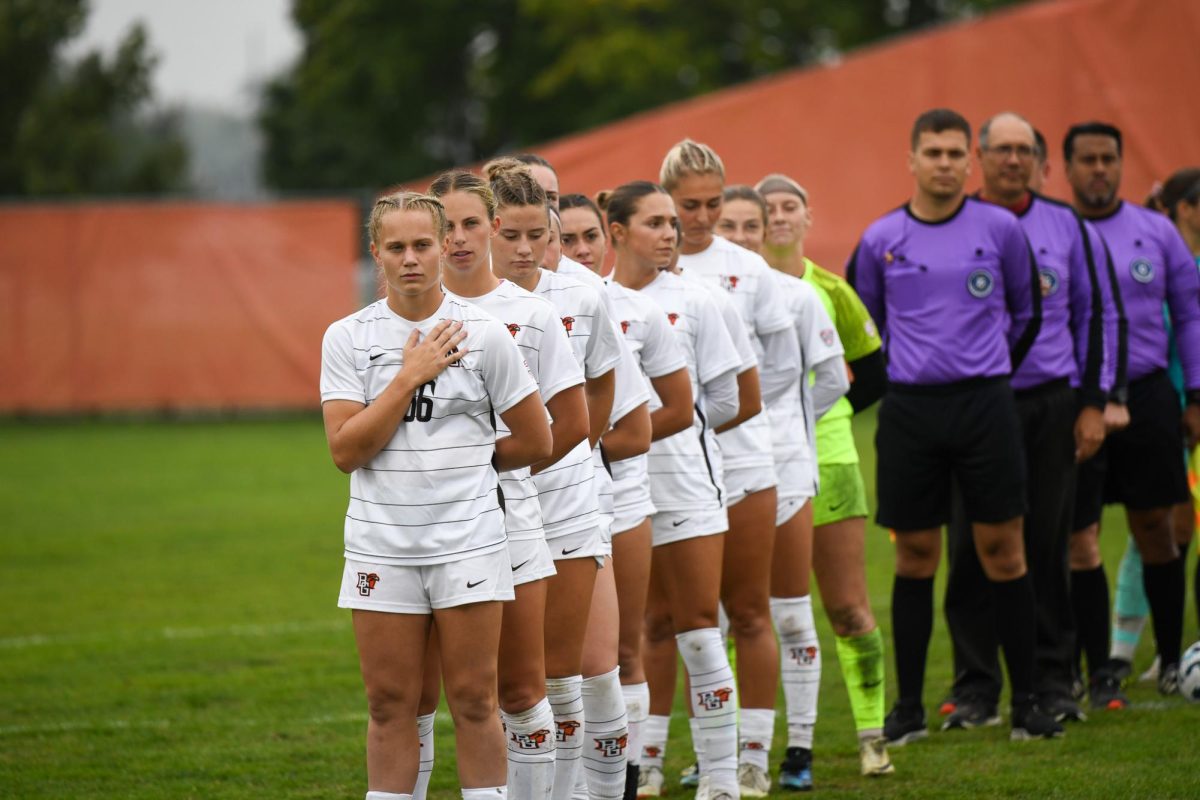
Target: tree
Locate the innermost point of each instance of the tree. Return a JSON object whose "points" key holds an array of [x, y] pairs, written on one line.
{"points": [[386, 91], [81, 127]]}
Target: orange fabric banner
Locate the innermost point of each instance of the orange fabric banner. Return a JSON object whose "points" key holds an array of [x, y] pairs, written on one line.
{"points": [[160, 306], [842, 130]]}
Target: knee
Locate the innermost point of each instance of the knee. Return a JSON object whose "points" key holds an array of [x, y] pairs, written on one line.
{"points": [[1084, 549], [629, 658], [749, 620], [659, 628], [472, 702], [916, 559], [1003, 559], [387, 705], [518, 695], [850, 620]]}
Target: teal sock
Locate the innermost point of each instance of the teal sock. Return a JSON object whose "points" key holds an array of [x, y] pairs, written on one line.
{"points": [[1130, 608]]}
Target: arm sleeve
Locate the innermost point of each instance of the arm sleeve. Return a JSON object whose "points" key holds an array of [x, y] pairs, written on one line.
{"points": [[505, 374], [865, 274], [339, 377], [720, 398], [715, 351], [830, 382], [1022, 292], [822, 349], [662, 353], [770, 311], [1183, 299], [630, 389], [781, 363], [1087, 320], [736, 328], [557, 367], [603, 348], [870, 381]]}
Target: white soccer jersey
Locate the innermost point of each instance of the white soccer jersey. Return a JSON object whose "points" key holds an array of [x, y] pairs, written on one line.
{"points": [[793, 421], [656, 352], [746, 279], [568, 490], [430, 495], [535, 327], [684, 470]]}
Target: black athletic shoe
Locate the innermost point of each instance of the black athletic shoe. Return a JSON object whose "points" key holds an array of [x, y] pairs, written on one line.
{"points": [[1105, 692], [905, 724], [1062, 708], [795, 773], [1030, 722], [1168, 679], [971, 712], [1120, 668]]}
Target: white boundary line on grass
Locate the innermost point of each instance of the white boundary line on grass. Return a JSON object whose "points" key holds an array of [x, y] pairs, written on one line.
{"points": [[164, 724], [252, 631]]}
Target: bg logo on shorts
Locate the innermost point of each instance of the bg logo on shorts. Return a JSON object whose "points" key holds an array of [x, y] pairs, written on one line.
{"points": [[715, 699], [1142, 270], [612, 747], [366, 582], [804, 655], [531, 741], [980, 283], [565, 730]]}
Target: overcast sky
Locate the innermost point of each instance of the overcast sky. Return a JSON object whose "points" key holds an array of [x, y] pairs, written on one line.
{"points": [[210, 51]]}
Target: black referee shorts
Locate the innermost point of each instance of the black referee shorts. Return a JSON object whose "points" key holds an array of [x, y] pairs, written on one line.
{"points": [[928, 435], [1142, 466]]}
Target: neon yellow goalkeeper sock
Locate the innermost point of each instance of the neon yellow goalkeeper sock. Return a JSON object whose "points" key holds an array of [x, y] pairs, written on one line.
{"points": [[861, 659]]}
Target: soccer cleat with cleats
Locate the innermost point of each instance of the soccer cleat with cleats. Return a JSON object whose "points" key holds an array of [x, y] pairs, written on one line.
{"points": [[753, 781], [650, 782], [1104, 692], [948, 705], [874, 759], [795, 772], [1062, 708], [904, 724], [1120, 668], [689, 778], [1030, 722], [971, 712], [1168, 679]]}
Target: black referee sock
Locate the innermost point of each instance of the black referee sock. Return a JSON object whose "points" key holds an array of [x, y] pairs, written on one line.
{"points": [[1089, 601], [912, 625], [1164, 584], [1016, 626]]}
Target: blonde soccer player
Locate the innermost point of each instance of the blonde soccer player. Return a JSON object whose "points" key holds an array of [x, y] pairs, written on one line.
{"points": [[407, 384]]}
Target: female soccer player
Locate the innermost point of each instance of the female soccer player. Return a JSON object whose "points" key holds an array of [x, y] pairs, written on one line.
{"points": [[589, 710], [406, 387], [839, 510], [695, 177], [534, 325], [689, 525]]}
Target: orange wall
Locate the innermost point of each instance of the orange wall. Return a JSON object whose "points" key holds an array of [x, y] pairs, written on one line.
{"points": [[843, 130], [152, 306]]}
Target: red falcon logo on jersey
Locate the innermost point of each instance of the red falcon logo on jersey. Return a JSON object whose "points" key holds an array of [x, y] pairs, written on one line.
{"points": [[730, 282], [531, 741], [366, 582], [672, 316], [804, 655], [513, 328], [612, 747], [568, 322], [715, 699], [565, 729], [624, 326]]}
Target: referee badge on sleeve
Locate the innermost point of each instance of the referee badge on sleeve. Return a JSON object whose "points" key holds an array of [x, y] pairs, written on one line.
{"points": [[980, 283]]}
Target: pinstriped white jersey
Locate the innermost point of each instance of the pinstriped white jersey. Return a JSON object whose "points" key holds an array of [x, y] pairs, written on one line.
{"points": [[430, 495], [568, 490], [684, 468], [656, 352], [535, 327], [793, 421]]}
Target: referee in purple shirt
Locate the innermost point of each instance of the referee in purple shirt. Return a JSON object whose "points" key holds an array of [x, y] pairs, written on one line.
{"points": [[952, 285], [1141, 466], [1061, 390]]}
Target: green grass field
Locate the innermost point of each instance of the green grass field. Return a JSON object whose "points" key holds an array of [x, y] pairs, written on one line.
{"points": [[170, 630]]}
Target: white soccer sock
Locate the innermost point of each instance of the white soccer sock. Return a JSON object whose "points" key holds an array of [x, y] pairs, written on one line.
{"points": [[425, 767], [654, 740], [606, 728], [490, 793], [531, 747], [756, 727], [714, 704], [800, 660], [387, 796], [566, 699], [698, 745], [637, 709], [723, 621]]}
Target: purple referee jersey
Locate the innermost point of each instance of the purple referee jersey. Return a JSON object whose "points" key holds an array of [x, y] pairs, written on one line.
{"points": [[1153, 266], [1079, 320], [954, 299]]}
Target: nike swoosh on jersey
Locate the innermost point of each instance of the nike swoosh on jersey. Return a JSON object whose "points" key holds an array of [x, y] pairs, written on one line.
{"points": [[377, 355]]}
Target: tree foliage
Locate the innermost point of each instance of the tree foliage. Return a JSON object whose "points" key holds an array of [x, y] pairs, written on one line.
{"points": [[385, 91], [79, 127]]}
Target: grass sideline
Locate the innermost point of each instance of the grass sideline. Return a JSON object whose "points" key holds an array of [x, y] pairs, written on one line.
{"points": [[170, 630]]}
